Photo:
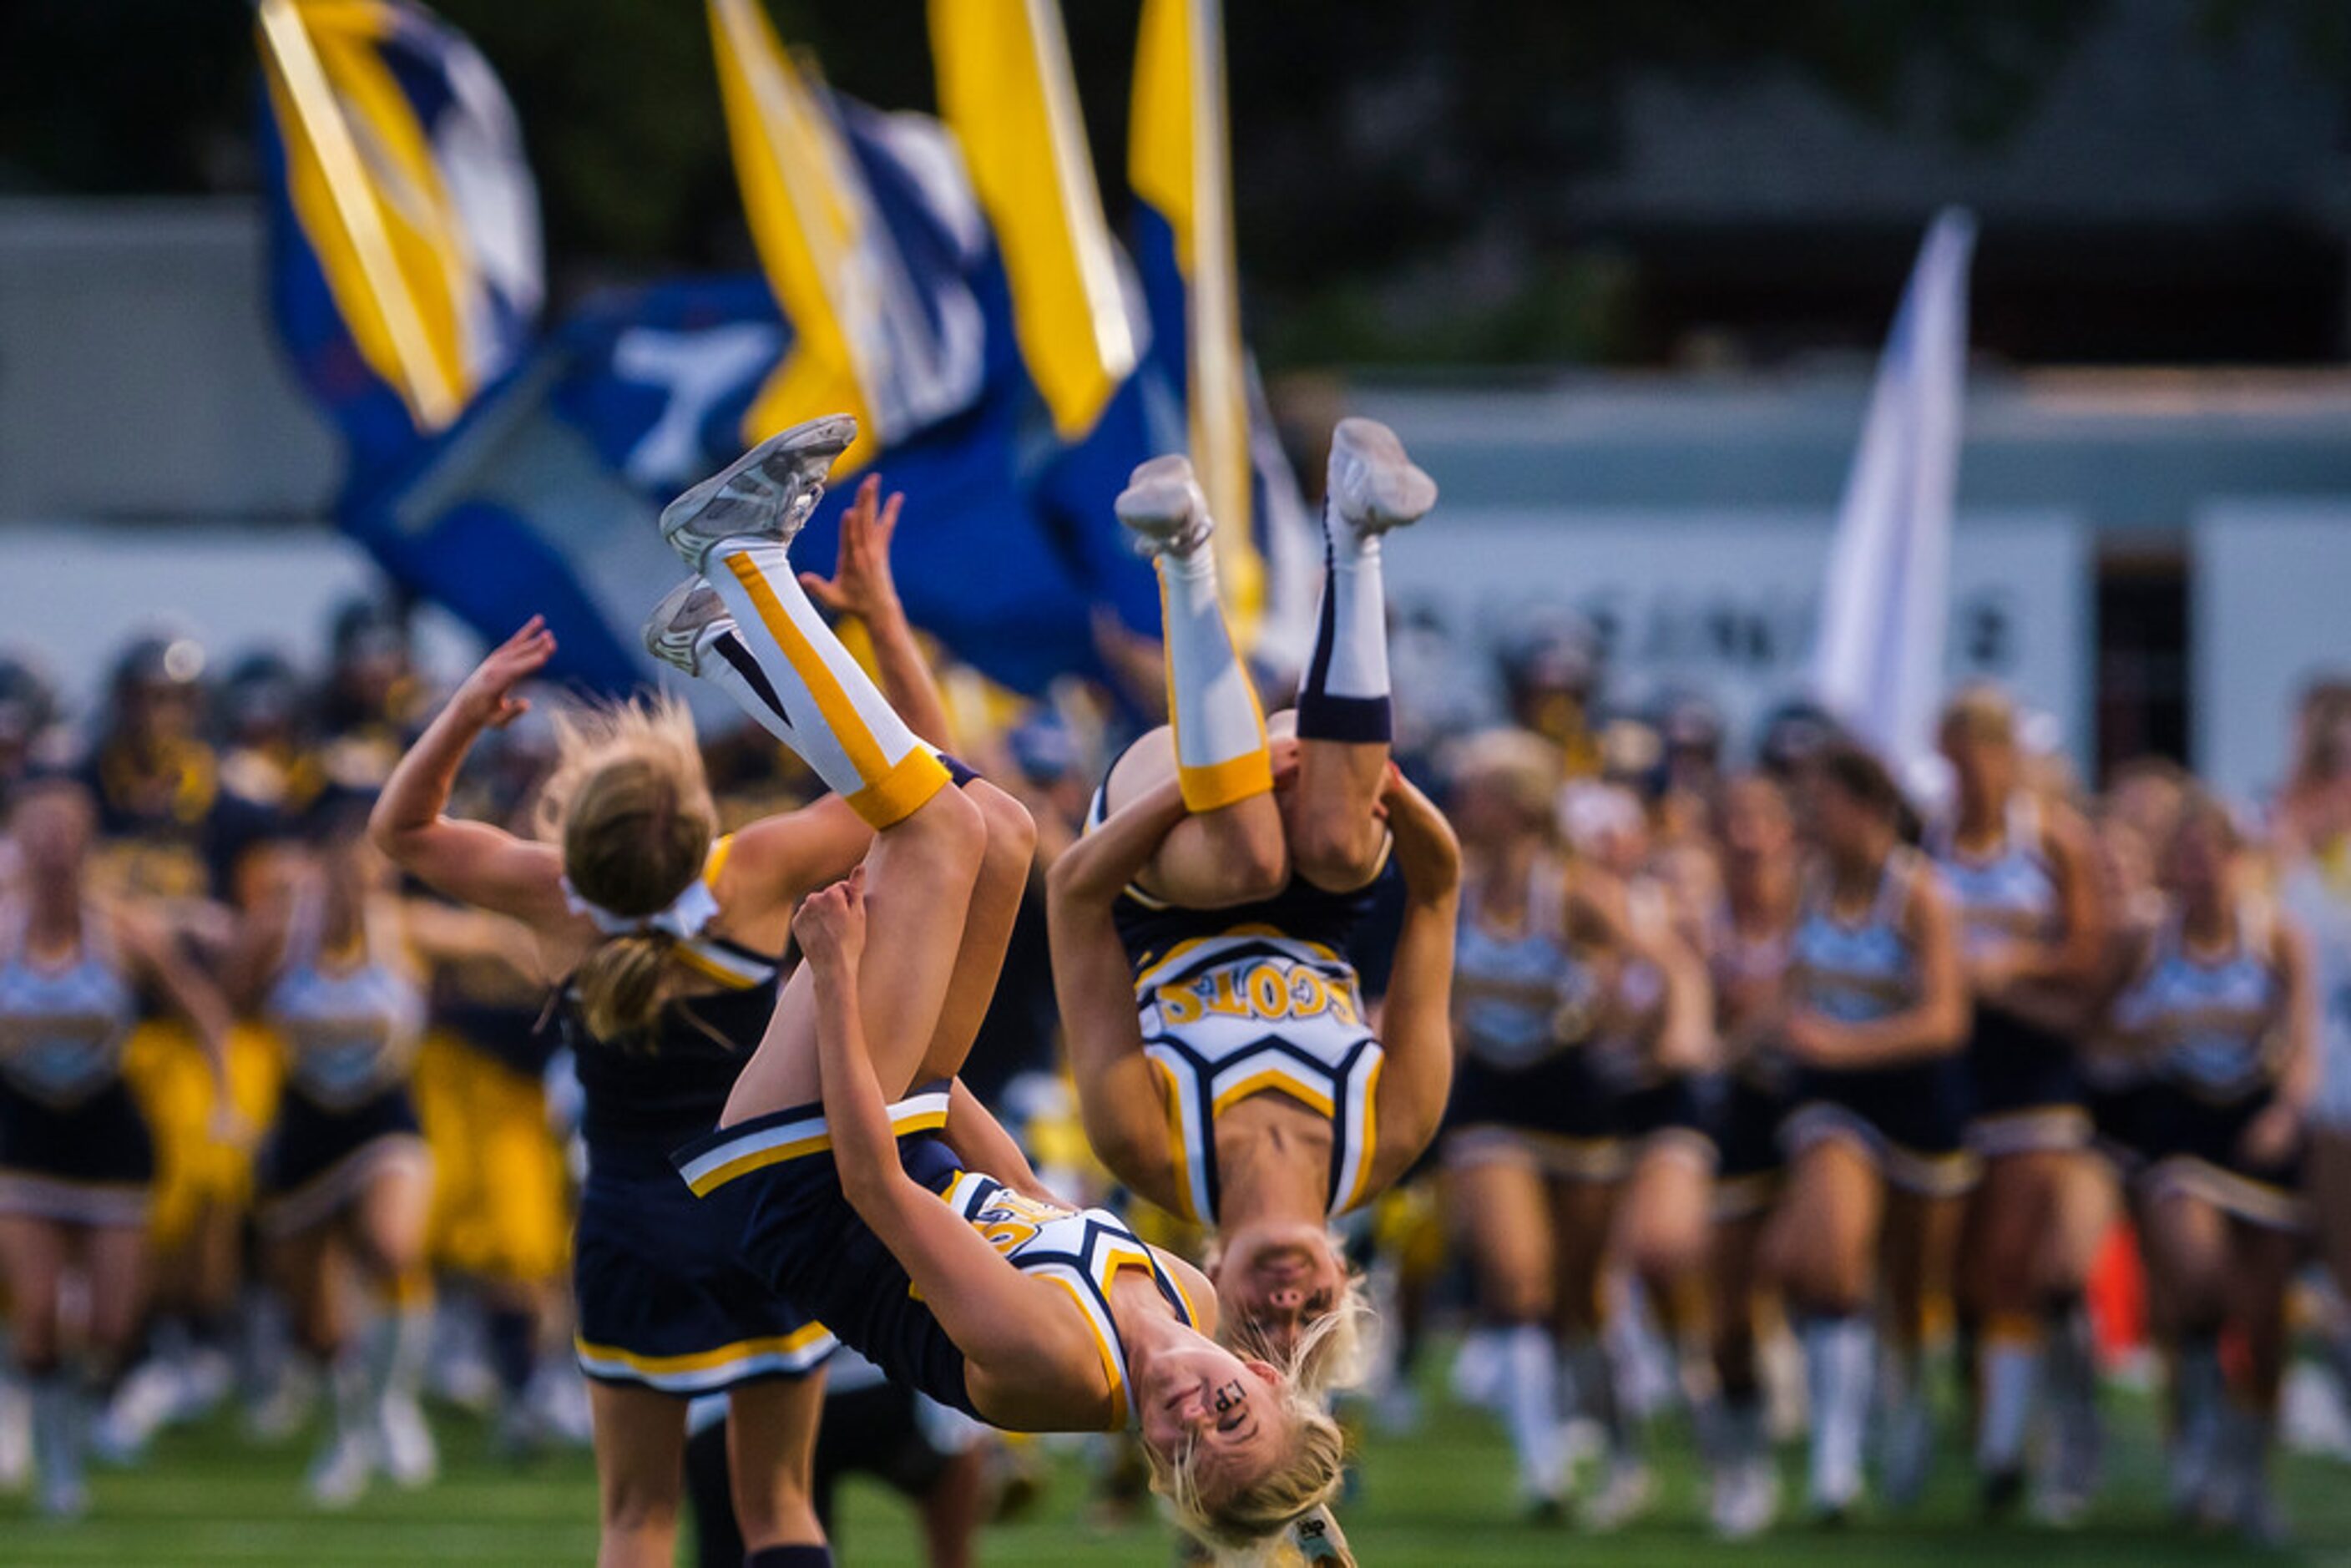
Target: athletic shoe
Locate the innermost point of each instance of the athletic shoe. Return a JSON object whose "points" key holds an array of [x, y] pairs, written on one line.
{"points": [[1373, 486], [673, 630], [1745, 1498], [2001, 1491], [1162, 505], [2191, 1464], [409, 1457], [15, 1436], [1623, 1496], [147, 1401], [279, 1411], [767, 493], [340, 1476], [63, 1494]]}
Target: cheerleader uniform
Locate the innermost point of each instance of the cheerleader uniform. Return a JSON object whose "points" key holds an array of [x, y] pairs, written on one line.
{"points": [[1752, 1098], [1910, 1117], [74, 1148], [773, 1181], [351, 1024], [1528, 1082], [664, 1301], [1259, 999], [2027, 1088], [2212, 1025]]}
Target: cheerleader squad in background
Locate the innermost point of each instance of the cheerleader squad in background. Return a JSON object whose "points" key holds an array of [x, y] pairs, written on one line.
{"points": [[825, 1067]]}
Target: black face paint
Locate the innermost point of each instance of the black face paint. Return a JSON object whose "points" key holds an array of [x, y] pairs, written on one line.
{"points": [[1229, 1394]]}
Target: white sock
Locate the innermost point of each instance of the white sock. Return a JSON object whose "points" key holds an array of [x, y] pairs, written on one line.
{"points": [[725, 661], [826, 710], [59, 1420], [1837, 1354], [354, 1393], [1595, 1379], [1529, 1406], [2011, 1377], [1344, 693], [1220, 750], [394, 1352]]}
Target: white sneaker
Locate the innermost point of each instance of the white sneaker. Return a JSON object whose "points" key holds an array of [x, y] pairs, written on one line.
{"points": [[769, 492], [64, 1495], [673, 630], [147, 1401], [279, 1411], [1745, 1498], [1623, 1496], [341, 1474], [15, 1437], [1162, 505], [410, 1456], [1372, 485]]}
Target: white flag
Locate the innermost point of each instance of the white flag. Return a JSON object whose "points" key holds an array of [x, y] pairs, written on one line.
{"points": [[1880, 654]]}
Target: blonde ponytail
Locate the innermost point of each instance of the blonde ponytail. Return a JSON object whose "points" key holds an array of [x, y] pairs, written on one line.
{"points": [[623, 983]]}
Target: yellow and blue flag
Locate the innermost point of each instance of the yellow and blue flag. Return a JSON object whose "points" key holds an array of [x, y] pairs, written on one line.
{"points": [[1179, 164], [405, 266], [896, 301]]}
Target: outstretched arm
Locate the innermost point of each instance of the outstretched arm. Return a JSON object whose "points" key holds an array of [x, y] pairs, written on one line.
{"points": [[472, 862], [861, 585], [1416, 1023], [1119, 1099], [988, 1309]]}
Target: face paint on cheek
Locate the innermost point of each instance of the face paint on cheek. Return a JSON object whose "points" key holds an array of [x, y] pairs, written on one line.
{"points": [[1228, 1395]]}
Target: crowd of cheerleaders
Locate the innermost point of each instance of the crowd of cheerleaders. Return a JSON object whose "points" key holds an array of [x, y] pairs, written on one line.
{"points": [[1758, 1050]]}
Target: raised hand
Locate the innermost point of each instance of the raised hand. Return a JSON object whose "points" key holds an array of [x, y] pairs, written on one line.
{"points": [[486, 698], [860, 583]]}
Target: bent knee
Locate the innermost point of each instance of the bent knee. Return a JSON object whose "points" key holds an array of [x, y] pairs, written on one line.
{"points": [[1250, 861], [1334, 851], [1011, 830]]}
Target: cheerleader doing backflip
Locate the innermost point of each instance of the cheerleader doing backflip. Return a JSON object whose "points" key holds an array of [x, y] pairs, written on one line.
{"points": [[671, 938], [869, 1192], [1226, 1064]]}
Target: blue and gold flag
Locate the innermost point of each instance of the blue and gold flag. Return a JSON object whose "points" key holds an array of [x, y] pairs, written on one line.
{"points": [[406, 263]]}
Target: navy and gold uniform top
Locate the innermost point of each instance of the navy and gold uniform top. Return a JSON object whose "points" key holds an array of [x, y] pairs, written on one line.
{"points": [[774, 1175], [1256, 999], [665, 1298], [352, 1021], [1861, 971], [2008, 895], [63, 1026], [2210, 1022]]}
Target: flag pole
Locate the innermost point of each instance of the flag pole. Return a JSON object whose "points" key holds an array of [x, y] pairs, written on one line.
{"points": [[430, 396], [1219, 409], [1073, 175]]}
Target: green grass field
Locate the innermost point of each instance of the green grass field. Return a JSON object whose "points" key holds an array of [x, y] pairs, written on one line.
{"points": [[1441, 1498]]}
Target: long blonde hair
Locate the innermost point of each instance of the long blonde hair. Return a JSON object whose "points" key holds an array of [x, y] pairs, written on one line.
{"points": [[1244, 1523], [630, 806]]}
